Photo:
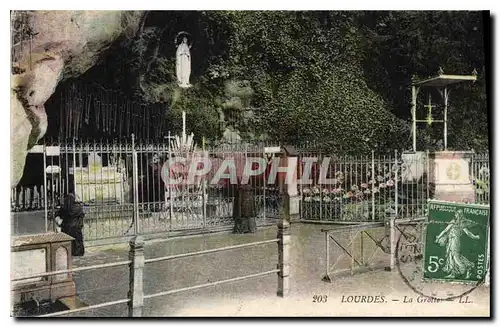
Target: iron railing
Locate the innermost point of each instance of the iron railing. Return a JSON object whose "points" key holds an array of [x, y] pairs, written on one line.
{"points": [[117, 204], [364, 188], [481, 177], [137, 262]]}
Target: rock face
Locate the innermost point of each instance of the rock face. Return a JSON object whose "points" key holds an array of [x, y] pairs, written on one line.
{"points": [[50, 46]]}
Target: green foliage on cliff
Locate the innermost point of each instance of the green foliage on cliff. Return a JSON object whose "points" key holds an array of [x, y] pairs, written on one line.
{"points": [[336, 77], [404, 43]]}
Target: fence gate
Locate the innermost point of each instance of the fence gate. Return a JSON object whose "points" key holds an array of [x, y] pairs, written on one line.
{"points": [[354, 248]]}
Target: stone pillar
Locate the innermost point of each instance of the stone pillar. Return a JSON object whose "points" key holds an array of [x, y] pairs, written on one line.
{"points": [[289, 207], [450, 176], [284, 250], [390, 234], [136, 290]]}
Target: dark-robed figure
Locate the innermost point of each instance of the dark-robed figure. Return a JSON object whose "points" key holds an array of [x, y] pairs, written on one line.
{"points": [[72, 216], [244, 211]]}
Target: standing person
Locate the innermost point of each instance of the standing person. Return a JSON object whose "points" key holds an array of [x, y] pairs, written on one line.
{"points": [[72, 223], [244, 212]]}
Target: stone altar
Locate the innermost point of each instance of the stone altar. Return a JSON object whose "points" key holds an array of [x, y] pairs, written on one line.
{"points": [[98, 183], [40, 253], [450, 176]]}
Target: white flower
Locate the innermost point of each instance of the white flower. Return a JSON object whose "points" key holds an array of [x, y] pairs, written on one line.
{"points": [[308, 199], [326, 191], [316, 199], [315, 190], [326, 199], [382, 185], [375, 190], [306, 191]]}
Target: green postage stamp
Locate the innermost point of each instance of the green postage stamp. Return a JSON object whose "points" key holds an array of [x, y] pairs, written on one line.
{"points": [[456, 242]]}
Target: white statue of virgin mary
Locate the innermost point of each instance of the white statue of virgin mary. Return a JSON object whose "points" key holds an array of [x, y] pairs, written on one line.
{"points": [[183, 66]]}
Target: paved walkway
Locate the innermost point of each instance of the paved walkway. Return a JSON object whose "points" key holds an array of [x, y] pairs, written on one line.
{"points": [[257, 297]]}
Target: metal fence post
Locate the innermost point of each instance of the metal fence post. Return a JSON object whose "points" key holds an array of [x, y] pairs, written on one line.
{"points": [[284, 249], [135, 183], [204, 192], [74, 169], [427, 173], [45, 192], [170, 199], [136, 271]]}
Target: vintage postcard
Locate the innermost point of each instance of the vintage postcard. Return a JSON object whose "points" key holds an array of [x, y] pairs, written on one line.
{"points": [[250, 163]]}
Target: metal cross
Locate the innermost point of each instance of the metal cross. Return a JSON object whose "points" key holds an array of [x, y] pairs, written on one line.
{"points": [[429, 115]]}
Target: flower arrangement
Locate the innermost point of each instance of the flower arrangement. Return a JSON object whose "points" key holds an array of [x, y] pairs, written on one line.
{"points": [[364, 189]]}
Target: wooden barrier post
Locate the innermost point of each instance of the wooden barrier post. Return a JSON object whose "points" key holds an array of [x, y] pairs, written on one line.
{"points": [[136, 268]]}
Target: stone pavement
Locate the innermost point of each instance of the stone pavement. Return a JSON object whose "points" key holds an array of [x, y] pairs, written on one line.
{"points": [[257, 296]]}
